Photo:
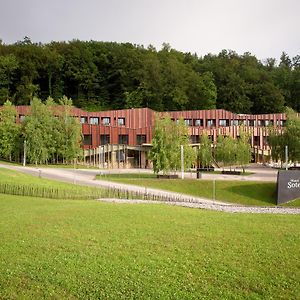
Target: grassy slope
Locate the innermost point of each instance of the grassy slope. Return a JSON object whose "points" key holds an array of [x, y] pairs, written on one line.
{"points": [[243, 192], [85, 249], [11, 176], [49, 188]]}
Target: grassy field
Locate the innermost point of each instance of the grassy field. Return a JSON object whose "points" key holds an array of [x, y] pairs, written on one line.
{"points": [[243, 192], [17, 183], [11, 176], [61, 166], [53, 249]]}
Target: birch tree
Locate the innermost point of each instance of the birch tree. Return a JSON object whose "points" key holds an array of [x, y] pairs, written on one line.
{"points": [[9, 131]]}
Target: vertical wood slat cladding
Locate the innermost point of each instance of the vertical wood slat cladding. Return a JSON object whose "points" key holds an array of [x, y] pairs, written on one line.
{"points": [[140, 121]]}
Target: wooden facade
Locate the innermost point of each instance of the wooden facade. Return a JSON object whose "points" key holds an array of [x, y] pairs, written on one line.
{"points": [[134, 127]]}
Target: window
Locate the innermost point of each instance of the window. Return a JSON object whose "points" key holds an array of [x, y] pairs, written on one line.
{"points": [[269, 123], [123, 139], [265, 140], [105, 121], [210, 123], [256, 141], [121, 121], [104, 139], [223, 122], [87, 139], [188, 122], [94, 120], [198, 122], [195, 139], [252, 123], [120, 155], [234, 122], [280, 123], [83, 120], [140, 139], [21, 118]]}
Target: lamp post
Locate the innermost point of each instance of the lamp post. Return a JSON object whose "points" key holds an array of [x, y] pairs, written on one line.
{"points": [[24, 157], [99, 158], [286, 157], [182, 162]]}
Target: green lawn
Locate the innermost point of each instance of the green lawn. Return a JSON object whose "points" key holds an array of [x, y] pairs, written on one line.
{"points": [[18, 183], [53, 249], [11, 176], [243, 192], [63, 166]]}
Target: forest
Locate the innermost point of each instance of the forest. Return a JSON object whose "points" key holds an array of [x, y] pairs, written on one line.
{"points": [[108, 75]]}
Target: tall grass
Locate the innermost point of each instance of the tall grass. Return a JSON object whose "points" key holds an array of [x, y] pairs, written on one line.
{"points": [[50, 192], [84, 193]]}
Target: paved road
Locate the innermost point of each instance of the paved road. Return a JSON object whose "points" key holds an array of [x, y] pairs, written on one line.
{"points": [[260, 173], [87, 177]]}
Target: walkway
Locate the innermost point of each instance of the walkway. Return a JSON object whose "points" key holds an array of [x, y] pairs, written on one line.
{"points": [[86, 177]]}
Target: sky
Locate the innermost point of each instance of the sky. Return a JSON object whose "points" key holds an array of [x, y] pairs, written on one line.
{"points": [[264, 28]]}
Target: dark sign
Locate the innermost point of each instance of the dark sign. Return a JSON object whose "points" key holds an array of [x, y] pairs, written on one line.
{"points": [[288, 186]]}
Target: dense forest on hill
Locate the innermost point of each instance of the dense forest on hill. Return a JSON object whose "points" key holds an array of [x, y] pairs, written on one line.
{"points": [[107, 75]]}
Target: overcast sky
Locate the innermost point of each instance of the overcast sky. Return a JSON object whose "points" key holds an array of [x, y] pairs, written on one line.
{"points": [[263, 27]]}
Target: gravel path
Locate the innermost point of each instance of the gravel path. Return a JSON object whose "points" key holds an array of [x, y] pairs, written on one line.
{"points": [[86, 177], [217, 207]]}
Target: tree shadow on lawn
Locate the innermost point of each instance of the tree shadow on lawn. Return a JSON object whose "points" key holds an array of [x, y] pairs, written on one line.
{"points": [[254, 194]]}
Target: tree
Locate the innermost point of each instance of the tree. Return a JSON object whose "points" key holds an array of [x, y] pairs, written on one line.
{"points": [[134, 99], [167, 140], [8, 66], [180, 137], [226, 151], [38, 132], [295, 89], [9, 131], [277, 144], [201, 91], [268, 98], [243, 149], [105, 75], [52, 64], [233, 95], [205, 151], [290, 137], [69, 135], [159, 153]]}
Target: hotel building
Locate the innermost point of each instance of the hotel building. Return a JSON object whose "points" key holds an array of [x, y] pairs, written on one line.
{"points": [[122, 138]]}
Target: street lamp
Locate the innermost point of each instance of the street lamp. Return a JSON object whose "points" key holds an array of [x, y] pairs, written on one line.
{"points": [[182, 162], [24, 156]]}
